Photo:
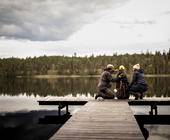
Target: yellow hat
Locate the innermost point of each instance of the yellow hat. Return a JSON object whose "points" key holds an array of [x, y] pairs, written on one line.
{"points": [[110, 66], [121, 67]]}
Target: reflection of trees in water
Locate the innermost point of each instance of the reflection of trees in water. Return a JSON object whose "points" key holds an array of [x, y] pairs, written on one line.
{"points": [[158, 86], [63, 86], [44, 87], [25, 126], [158, 131]]}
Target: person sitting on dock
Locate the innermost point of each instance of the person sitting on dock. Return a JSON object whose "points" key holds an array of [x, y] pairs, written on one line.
{"points": [[104, 86], [122, 84], [138, 85]]}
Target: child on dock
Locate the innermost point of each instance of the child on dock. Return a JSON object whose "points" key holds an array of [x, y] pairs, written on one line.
{"points": [[122, 84]]}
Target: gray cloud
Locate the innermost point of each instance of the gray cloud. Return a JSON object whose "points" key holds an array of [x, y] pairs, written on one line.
{"points": [[132, 24], [144, 22], [147, 22], [166, 13], [43, 20]]}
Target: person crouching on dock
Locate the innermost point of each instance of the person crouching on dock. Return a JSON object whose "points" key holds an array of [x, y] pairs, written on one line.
{"points": [[138, 85], [104, 86]]}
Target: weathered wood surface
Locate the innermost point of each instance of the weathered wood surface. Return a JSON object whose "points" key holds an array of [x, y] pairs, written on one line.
{"points": [[149, 102], [62, 102], [101, 120], [67, 99]]}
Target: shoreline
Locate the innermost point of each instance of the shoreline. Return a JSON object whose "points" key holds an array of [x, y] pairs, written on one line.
{"points": [[83, 76]]}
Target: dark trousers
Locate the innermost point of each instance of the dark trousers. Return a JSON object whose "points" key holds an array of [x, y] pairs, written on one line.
{"points": [[106, 93], [140, 88]]}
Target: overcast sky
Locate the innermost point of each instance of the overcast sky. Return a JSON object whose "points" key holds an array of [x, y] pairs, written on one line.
{"points": [[62, 27]]}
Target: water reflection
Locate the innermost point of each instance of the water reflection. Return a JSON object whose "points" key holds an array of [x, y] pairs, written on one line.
{"points": [[25, 126], [21, 94], [158, 132], [158, 86]]}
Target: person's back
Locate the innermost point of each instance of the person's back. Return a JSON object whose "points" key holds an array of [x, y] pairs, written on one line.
{"points": [[104, 86], [138, 85], [122, 84], [105, 80], [138, 77]]}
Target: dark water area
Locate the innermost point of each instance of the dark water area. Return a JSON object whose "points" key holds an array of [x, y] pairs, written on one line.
{"points": [[158, 86], [26, 126], [20, 112]]}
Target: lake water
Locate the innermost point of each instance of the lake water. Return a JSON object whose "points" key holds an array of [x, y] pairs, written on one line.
{"points": [[19, 110]]}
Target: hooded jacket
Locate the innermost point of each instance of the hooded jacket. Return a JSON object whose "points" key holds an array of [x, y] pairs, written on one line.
{"points": [[105, 80], [138, 77]]}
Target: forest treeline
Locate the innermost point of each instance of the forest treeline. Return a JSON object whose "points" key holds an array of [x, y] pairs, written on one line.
{"points": [[157, 63]]}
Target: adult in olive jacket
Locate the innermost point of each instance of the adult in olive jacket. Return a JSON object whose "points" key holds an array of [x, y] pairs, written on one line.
{"points": [[138, 85], [104, 85]]}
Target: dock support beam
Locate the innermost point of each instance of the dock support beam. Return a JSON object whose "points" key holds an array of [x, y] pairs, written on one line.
{"points": [[61, 106], [153, 107]]}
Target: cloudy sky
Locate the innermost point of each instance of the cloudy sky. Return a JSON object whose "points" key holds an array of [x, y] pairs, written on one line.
{"points": [[62, 27]]}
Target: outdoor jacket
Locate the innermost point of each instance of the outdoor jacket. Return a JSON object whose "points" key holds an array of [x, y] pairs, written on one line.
{"points": [[105, 80], [138, 77]]}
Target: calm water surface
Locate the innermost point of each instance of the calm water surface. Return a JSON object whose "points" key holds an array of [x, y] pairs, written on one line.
{"points": [[19, 110]]}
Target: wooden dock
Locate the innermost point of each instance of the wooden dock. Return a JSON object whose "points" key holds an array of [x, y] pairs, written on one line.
{"points": [[109, 119]]}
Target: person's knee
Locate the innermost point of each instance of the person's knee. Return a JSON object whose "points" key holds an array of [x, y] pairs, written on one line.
{"points": [[146, 88], [109, 94], [138, 88], [134, 89], [143, 89]]}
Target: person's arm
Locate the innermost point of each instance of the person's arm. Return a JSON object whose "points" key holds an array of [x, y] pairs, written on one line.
{"points": [[125, 79], [134, 78], [117, 79], [110, 78]]}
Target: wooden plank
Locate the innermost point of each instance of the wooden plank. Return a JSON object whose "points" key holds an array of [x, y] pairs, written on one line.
{"points": [[108, 119], [149, 102], [62, 102], [153, 119], [83, 100], [69, 98]]}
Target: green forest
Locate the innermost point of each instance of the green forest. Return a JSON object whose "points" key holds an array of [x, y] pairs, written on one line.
{"points": [[152, 63]]}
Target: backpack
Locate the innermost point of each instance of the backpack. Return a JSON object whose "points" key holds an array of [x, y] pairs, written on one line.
{"points": [[122, 88]]}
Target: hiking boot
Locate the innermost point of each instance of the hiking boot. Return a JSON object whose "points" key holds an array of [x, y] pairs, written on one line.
{"points": [[113, 97], [97, 96], [100, 99], [141, 96], [136, 96]]}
